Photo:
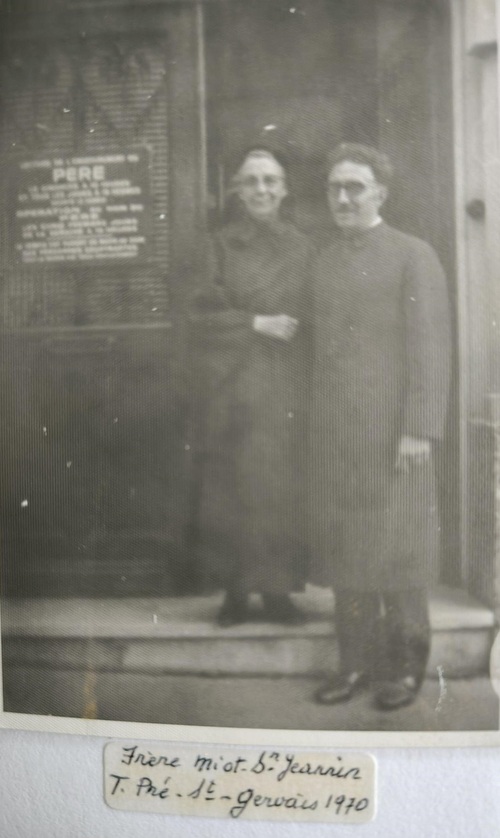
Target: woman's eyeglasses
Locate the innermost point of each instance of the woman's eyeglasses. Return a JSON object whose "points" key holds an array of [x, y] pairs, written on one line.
{"points": [[267, 180]]}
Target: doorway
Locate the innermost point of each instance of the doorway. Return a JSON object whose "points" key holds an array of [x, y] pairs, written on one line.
{"points": [[301, 77]]}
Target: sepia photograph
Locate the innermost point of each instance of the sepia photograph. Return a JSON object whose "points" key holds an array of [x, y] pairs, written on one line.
{"points": [[250, 367]]}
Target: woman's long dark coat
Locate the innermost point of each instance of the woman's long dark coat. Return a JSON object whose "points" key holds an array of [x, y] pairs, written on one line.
{"points": [[382, 349], [251, 407]]}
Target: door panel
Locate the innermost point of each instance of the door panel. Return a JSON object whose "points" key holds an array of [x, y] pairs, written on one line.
{"points": [[93, 364]]}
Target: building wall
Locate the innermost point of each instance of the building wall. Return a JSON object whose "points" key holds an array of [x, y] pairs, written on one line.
{"points": [[477, 178], [477, 198]]}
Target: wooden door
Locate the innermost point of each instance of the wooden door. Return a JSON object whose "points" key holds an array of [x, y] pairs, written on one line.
{"points": [[416, 129], [300, 78]]}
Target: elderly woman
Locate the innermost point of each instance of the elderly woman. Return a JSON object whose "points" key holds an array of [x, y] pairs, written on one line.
{"points": [[251, 338]]}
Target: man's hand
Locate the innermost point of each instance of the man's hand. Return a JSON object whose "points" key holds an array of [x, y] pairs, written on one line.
{"points": [[279, 326], [412, 452]]}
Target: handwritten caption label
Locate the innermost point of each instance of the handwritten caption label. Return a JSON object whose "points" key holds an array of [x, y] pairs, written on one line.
{"points": [[240, 783]]}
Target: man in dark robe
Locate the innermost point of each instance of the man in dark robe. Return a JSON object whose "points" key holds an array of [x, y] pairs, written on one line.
{"points": [[380, 399]]}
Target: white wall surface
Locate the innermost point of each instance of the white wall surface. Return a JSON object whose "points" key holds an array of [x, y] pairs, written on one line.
{"points": [[51, 787]]}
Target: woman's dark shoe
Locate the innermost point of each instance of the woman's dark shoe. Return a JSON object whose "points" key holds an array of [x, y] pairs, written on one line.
{"points": [[392, 695], [281, 609], [341, 687], [233, 612]]}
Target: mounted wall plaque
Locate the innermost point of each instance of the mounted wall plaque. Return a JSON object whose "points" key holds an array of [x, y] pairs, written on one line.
{"points": [[82, 208]]}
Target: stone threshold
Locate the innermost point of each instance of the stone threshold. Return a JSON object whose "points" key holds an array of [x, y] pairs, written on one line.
{"points": [[179, 636], [194, 617]]}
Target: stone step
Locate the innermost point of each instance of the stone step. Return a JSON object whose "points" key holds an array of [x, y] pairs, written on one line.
{"points": [[179, 635]]}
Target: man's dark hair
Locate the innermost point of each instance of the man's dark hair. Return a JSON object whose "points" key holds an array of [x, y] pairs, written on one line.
{"points": [[365, 155]]}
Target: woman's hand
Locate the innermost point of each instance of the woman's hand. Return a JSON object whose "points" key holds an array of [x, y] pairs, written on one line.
{"points": [[280, 326]]}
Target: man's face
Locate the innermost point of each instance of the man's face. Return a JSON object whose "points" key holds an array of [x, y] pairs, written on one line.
{"points": [[261, 187], [354, 195]]}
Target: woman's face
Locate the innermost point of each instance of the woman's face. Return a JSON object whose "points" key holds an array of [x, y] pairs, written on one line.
{"points": [[261, 187]]}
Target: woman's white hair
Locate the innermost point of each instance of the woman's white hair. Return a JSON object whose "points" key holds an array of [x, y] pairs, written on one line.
{"points": [[254, 154]]}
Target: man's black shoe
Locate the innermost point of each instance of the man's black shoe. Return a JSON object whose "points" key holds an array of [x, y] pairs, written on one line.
{"points": [[395, 694], [341, 687]]}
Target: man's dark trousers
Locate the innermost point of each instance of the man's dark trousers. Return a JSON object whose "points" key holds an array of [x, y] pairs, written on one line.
{"points": [[387, 635]]}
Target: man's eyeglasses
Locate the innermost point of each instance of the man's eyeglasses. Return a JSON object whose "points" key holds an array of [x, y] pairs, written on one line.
{"points": [[352, 188]]}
